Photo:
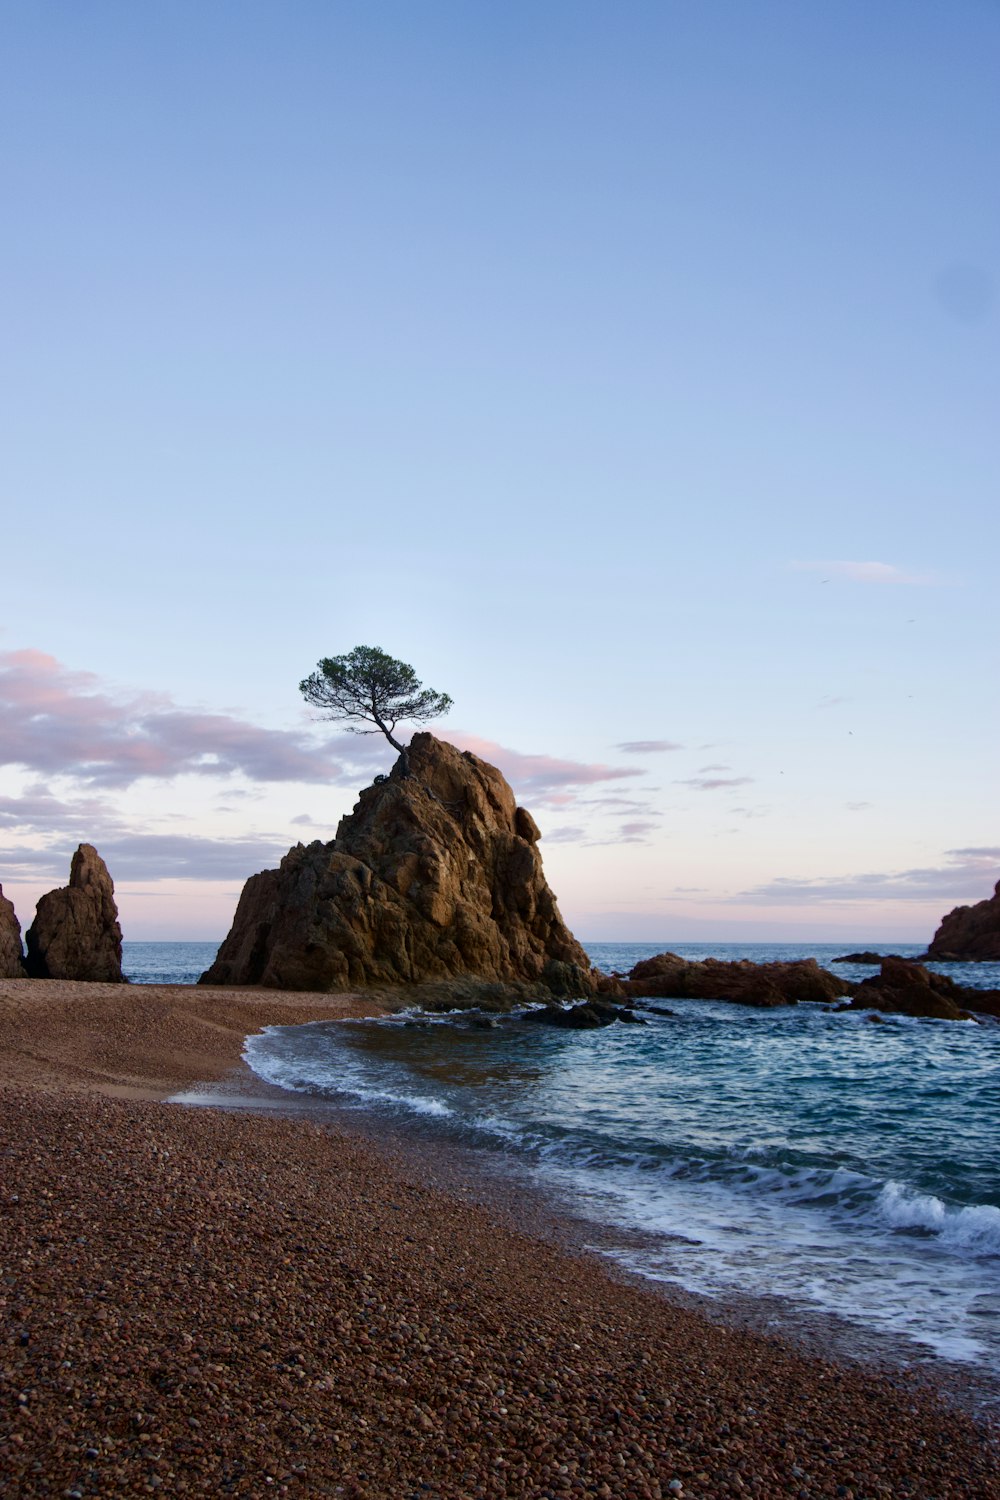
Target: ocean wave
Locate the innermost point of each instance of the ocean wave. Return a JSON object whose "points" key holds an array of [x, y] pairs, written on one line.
{"points": [[301, 1078], [644, 1168], [839, 1193], [974, 1228]]}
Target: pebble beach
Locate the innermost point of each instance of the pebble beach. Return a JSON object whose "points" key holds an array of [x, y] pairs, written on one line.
{"points": [[205, 1302]]}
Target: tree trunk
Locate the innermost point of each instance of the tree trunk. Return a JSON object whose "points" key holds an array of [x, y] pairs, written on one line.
{"points": [[404, 753]]}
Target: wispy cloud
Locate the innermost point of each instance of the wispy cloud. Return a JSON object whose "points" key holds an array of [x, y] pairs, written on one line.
{"points": [[37, 810], [568, 834], [152, 857], [617, 804], [866, 572], [636, 831], [714, 783], [968, 875], [64, 723], [544, 778], [647, 747]]}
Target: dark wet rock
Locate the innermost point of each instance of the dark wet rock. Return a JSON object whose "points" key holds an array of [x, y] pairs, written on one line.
{"points": [[435, 876], [585, 1017], [969, 933], [908, 989], [670, 977], [867, 957], [11, 952], [75, 934]]}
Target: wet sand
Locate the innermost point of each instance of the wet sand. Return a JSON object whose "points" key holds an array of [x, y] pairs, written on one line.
{"points": [[207, 1302]]}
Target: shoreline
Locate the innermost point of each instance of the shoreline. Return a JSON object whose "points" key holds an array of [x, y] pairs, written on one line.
{"points": [[389, 1326], [524, 1202], [144, 1041]]}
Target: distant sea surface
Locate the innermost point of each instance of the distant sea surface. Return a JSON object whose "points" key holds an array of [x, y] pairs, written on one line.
{"points": [[839, 1165], [167, 963]]}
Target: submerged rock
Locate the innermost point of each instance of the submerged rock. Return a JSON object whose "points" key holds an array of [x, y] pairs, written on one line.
{"points": [[969, 933], [585, 1017], [75, 934], [436, 875], [667, 976], [867, 957], [11, 953]]}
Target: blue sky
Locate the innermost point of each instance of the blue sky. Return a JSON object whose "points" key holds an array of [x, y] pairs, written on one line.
{"points": [[630, 370]]}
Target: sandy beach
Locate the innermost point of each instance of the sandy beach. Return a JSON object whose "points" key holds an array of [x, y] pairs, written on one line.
{"points": [[207, 1302]]}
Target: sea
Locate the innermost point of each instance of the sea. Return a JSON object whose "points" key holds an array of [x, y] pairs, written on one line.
{"points": [[799, 1154]]}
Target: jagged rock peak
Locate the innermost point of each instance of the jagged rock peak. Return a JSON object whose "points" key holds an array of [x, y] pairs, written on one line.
{"points": [[11, 958], [75, 934], [969, 932], [436, 874]]}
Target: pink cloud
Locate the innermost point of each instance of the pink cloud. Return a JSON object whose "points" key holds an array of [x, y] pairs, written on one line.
{"points": [[543, 777], [60, 722]]}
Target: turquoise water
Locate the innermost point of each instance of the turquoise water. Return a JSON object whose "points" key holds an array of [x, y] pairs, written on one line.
{"points": [[796, 1152]]}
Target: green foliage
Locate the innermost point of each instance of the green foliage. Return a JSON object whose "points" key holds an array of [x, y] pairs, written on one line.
{"points": [[374, 688]]}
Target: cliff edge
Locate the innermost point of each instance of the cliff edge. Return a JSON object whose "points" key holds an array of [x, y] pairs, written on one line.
{"points": [[435, 875]]}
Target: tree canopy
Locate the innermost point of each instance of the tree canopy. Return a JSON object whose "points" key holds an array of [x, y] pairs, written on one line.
{"points": [[371, 687]]}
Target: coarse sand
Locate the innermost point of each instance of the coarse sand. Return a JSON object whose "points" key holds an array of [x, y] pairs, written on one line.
{"points": [[204, 1302]]}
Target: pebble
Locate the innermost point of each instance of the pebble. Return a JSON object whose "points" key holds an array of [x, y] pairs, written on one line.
{"points": [[179, 1337]]}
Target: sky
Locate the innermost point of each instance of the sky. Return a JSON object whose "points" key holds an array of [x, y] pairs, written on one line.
{"points": [[631, 370]]}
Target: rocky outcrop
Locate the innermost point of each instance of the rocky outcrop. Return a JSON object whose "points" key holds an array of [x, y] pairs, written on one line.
{"points": [[75, 934], [11, 960], [435, 875], [969, 933], [908, 989], [866, 957], [667, 976], [586, 1017]]}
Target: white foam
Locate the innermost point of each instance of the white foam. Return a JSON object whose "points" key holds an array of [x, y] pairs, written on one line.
{"points": [[316, 1077], [973, 1229]]}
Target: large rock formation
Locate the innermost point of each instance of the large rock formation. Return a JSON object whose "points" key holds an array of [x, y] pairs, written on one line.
{"points": [[668, 976], [75, 934], [11, 961], [436, 875], [969, 932]]}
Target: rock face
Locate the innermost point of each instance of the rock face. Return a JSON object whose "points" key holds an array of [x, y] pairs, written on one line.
{"points": [[435, 875], [11, 961], [667, 976], [969, 932], [75, 934], [909, 989]]}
